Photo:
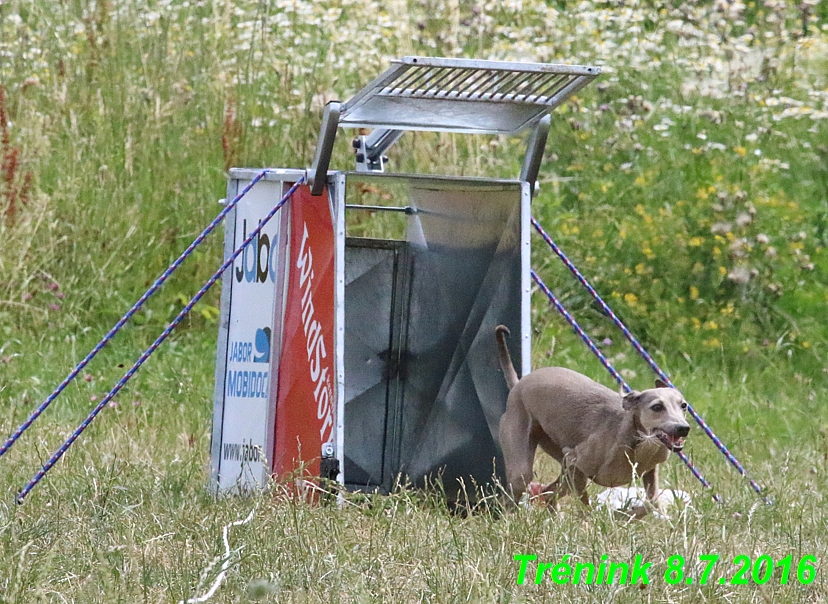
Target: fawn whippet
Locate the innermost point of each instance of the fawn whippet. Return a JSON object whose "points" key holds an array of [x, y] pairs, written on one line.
{"points": [[594, 433]]}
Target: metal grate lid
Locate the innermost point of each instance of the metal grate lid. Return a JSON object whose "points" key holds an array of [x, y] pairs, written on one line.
{"points": [[463, 95]]}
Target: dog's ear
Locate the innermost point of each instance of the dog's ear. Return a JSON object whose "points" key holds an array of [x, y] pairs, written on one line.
{"points": [[661, 384], [631, 400]]}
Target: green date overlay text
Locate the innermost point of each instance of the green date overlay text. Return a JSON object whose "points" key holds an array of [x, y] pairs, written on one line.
{"points": [[742, 571]]}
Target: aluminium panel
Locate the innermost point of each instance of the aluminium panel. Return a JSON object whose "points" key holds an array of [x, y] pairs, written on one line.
{"points": [[465, 281], [422, 358]]}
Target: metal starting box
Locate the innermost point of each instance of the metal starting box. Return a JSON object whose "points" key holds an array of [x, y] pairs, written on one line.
{"points": [[371, 359]]}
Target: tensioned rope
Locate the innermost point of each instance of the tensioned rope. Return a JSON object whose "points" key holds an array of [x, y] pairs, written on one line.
{"points": [[644, 354], [605, 362], [146, 354], [135, 307]]}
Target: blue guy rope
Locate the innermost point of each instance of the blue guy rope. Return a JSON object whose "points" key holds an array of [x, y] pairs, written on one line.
{"points": [[146, 354], [605, 362], [644, 354], [111, 333]]}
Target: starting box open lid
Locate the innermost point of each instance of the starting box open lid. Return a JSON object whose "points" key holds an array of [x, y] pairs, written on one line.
{"points": [[463, 95]]}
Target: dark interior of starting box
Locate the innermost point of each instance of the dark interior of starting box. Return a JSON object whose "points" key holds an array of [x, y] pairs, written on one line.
{"points": [[431, 267]]}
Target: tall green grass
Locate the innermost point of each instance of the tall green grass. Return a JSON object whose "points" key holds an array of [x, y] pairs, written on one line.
{"points": [[689, 183]]}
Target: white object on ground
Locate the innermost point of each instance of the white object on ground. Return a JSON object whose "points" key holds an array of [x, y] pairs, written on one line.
{"points": [[622, 499], [628, 499]]}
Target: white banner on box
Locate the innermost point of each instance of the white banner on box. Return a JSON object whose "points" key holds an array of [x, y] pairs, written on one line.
{"points": [[254, 280]]}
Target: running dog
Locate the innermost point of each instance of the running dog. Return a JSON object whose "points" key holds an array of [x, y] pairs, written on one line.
{"points": [[594, 433]]}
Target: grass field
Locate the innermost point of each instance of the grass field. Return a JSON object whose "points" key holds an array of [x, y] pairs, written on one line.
{"points": [[689, 183]]}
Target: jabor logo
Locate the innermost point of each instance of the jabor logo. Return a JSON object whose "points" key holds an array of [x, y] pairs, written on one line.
{"points": [[242, 351], [258, 260], [262, 345]]}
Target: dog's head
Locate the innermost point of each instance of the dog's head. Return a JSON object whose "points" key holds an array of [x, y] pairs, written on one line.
{"points": [[660, 413]]}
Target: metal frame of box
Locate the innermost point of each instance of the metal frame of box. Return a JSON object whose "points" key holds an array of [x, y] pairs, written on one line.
{"points": [[427, 404]]}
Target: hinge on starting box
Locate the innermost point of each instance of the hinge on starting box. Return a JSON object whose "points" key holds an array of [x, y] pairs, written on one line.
{"points": [[328, 465]]}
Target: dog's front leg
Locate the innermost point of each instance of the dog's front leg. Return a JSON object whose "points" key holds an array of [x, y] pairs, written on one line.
{"points": [[650, 480]]}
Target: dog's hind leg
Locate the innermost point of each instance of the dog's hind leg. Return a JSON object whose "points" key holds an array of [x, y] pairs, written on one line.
{"points": [[571, 480], [518, 445]]}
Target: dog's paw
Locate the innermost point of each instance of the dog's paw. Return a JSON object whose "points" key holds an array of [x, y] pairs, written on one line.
{"points": [[535, 489], [533, 496]]}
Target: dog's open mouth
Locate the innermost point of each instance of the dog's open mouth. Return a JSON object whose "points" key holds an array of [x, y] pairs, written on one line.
{"points": [[671, 441]]}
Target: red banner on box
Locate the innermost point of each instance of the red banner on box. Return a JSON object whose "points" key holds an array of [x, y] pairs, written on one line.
{"points": [[306, 400]]}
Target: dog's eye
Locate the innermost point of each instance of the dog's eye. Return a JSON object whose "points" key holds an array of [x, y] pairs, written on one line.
{"points": [[658, 408]]}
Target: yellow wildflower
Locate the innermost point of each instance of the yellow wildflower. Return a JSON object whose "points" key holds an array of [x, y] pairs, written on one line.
{"points": [[694, 293]]}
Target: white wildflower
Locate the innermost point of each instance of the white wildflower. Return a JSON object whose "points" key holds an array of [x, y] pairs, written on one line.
{"points": [[740, 275]]}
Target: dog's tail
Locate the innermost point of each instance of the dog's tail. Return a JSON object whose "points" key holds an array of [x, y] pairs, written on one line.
{"points": [[506, 365]]}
